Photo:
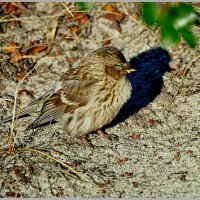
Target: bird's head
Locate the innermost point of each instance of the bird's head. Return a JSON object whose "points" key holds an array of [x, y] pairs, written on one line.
{"points": [[116, 65]]}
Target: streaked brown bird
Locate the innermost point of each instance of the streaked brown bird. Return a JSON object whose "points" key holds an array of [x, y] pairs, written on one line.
{"points": [[90, 96]]}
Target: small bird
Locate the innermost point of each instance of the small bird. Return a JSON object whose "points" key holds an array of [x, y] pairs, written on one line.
{"points": [[90, 96]]}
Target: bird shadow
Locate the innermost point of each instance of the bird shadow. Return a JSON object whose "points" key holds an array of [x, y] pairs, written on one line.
{"points": [[146, 82]]}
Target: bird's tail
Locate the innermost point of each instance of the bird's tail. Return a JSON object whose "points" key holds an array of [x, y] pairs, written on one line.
{"points": [[34, 106], [47, 116], [31, 108]]}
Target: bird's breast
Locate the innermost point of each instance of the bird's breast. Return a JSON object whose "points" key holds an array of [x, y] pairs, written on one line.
{"points": [[100, 110]]}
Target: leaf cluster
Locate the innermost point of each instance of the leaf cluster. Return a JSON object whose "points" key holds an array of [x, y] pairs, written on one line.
{"points": [[174, 20]]}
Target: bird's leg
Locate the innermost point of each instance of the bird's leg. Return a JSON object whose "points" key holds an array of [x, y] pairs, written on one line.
{"points": [[85, 141], [104, 135]]}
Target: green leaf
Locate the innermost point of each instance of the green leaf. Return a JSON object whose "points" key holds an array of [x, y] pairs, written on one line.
{"points": [[183, 16], [83, 5], [190, 38], [169, 36], [174, 21], [149, 13]]}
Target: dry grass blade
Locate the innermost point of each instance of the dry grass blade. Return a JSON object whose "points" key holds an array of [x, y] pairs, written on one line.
{"points": [[2, 100], [68, 10], [29, 19], [19, 5], [14, 110], [62, 163], [53, 34], [15, 138], [32, 56]]}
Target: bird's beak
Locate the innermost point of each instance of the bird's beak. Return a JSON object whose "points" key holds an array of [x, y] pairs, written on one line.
{"points": [[128, 71]]}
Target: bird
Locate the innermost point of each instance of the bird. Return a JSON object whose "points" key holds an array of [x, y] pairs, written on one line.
{"points": [[89, 96]]}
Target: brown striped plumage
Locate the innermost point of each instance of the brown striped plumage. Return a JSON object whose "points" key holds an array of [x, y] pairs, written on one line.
{"points": [[91, 95]]}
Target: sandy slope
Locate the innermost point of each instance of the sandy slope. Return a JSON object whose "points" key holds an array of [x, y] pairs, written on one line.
{"points": [[154, 149]]}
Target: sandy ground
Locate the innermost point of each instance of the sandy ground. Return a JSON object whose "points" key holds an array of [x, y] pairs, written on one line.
{"points": [[154, 147]]}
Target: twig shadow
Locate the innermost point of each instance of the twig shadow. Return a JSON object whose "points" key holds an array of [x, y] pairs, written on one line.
{"points": [[146, 82]]}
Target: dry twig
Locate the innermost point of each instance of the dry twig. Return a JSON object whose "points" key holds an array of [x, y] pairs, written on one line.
{"points": [[58, 161], [14, 110]]}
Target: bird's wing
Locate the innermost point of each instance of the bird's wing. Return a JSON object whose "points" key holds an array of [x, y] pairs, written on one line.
{"points": [[51, 110], [31, 108], [35, 106], [74, 94]]}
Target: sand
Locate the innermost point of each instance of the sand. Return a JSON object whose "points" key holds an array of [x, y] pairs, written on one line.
{"points": [[153, 149]]}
